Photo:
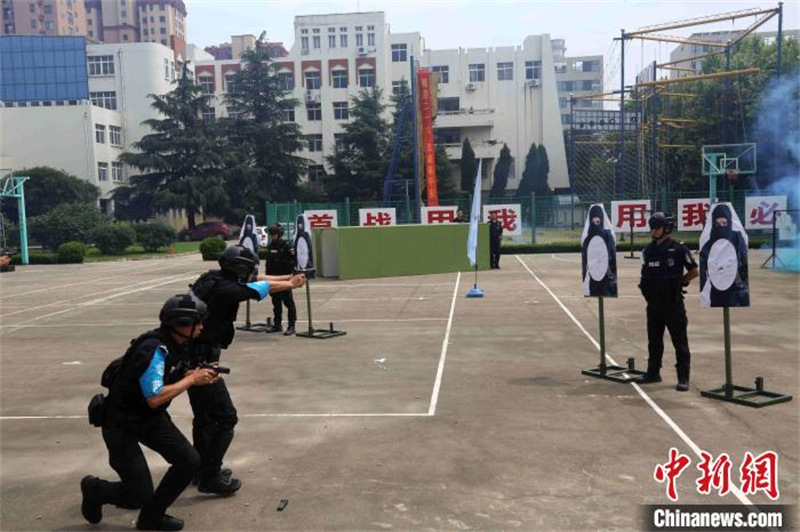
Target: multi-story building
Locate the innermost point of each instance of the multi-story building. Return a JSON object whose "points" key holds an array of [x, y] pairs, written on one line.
{"points": [[239, 43], [120, 21], [44, 17], [494, 96], [576, 76], [78, 106], [686, 51]]}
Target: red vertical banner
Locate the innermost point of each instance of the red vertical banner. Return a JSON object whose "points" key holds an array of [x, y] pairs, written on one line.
{"points": [[424, 78]]}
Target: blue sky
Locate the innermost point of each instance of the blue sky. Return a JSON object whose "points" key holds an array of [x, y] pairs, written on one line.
{"points": [[589, 27]]}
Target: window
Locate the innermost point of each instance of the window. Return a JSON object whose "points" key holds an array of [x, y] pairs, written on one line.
{"points": [[48, 10], [102, 171], [339, 79], [359, 39], [560, 68], [366, 77], [232, 113], [331, 30], [124, 35], [287, 114], [316, 42], [161, 7], [359, 28], [444, 73], [163, 30], [505, 71], [577, 66], [33, 24], [104, 99], [314, 143], [316, 173], [123, 14], [399, 53], [313, 80], [343, 41], [370, 28], [449, 105], [587, 84], [477, 72], [50, 25], [206, 83], [591, 66], [331, 41], [32, 8], [162, 18], [166, 69], [341, 111], [99, 134], [315, 30], [116, 172], [399, 87], [447, 135], [115, 135], [101, 65], [209, 115], [338, 143], [533, 70], [304, 43], [342, 30], [304, 32], [562, 102], [229, 81], [286, 80], [314, 111], [370, 39]]}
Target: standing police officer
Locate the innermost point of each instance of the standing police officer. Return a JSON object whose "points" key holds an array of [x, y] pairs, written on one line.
{"points": [[281, 261], [136, 413], [495, 240], [214, 414], [662, 282]]}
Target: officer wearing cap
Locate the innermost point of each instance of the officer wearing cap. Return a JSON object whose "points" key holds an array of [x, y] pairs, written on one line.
{"points": [[281, 261], [663, 279], [214, 414], [136, 413]]}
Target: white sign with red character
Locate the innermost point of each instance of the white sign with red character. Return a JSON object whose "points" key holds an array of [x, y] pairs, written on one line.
{"points": [[322, 219], [509, 215], [377, 217], [692, 214], [437, 215], [761, 209], [625, 214]]}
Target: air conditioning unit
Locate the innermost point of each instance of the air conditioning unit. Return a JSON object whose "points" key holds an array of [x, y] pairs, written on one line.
{"points": [[534, 83], [362, 51], [471, 87], [313, 97]]}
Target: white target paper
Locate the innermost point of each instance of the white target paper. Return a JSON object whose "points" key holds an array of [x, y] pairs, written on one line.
{"points": [[722, 264], [597, 258]]}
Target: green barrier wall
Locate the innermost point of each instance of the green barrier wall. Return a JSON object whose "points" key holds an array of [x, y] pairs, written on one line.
{"points": [[365, 252]]}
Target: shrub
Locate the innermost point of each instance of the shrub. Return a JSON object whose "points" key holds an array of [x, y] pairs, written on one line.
{"points": [[65, 223], [36, 257], [152, 236], [113, 239], [212, 247], [71, 253]]}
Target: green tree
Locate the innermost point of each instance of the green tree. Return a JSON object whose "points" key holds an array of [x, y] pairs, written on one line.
{"points": [[66, 222], [264, 146], [469, 166], [501, 171], [540, 185], [180, 160], [359, 164], [48, 188], [445, 176], [530, 176]]}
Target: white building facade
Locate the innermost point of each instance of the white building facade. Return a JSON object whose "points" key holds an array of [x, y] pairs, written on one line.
{"points": [[494, 96]]}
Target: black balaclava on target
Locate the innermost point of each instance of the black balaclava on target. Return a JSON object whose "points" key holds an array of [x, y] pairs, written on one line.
{"points": [[717, 232], [596, 227]]}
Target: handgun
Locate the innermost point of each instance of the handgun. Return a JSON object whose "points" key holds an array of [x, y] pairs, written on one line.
{"points": [[218, 369]]}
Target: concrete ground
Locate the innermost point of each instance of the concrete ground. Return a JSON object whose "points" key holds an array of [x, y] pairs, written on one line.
{"points": [[434, 412]]}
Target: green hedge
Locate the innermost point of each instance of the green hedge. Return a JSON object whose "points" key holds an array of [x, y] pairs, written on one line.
{"points": [[212, 247], [152, 236], [71, 253]]}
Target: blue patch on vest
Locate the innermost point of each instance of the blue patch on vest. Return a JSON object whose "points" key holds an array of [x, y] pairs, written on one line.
{"points": [[260, 287], [152, 380]]}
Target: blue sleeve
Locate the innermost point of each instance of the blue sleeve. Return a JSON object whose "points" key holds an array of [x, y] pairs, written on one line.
{"points": [[152, 380], [259, 287]]}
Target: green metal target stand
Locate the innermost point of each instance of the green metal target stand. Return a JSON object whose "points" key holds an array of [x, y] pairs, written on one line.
{"points": [[14, 187], [611, 372]]}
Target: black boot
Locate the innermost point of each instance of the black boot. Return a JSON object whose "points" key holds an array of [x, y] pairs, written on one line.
{"points": [[648, 378], [219, 485], [91, 509], [289, 330], [166, 523], [683, 381], [224, 472], [276, 328]]}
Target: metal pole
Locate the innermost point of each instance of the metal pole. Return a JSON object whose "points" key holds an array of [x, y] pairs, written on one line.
{"points": [[654, 132], [774, 238], [308, 303], [533, 217], [23, 222], [727, 134], [476, 270], [622, 113], [602, 336], [726, 319], [414, 125], [780, 39], [347, 211]]}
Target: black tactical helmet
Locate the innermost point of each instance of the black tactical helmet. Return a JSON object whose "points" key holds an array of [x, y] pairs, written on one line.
{"points": [[238, 260], [659, 219], [182, 310], [275, 229]]}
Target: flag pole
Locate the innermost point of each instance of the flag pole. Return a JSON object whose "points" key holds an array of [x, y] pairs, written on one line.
{"points": [[472, 239]]}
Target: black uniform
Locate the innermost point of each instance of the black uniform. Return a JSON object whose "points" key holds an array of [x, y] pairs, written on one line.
{"points": [[495, 239], [662, 286], [281, 261], [147, 366], [214, 413]]}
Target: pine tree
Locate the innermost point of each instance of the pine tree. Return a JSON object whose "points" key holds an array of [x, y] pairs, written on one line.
{"points": [[541, 186], [265, 146], [180, 159], [469, 166], [360, 163], [529, 175], [501, 171]]}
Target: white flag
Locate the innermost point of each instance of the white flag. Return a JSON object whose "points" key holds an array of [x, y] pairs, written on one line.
{"points": [[474, 218]]}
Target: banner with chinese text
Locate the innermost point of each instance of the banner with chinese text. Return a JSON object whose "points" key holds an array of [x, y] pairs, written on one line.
{"points": [[437, 215], [377, 217], [320, 219], [630, 212], [759, 210], [692, 214], [510, 215]]}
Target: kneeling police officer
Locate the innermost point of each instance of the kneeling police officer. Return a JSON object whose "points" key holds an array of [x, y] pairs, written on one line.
{"points": [[662, 283], [136, 413], [214, 414]]}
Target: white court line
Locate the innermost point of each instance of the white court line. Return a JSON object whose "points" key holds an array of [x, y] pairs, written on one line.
{"points": [[553, 256], [668, 420], [440, 371]]}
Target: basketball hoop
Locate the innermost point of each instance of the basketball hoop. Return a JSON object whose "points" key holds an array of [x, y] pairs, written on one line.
{"points": [[732, 174]]}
